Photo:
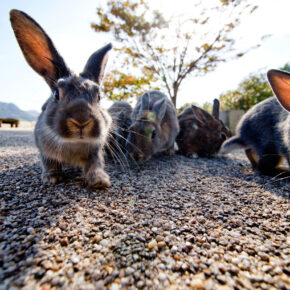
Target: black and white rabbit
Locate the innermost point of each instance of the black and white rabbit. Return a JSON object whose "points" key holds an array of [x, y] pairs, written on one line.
{"points": [[264, 131], [72, 127]]}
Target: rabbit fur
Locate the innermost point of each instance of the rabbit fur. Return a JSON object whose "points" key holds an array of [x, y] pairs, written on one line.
{"points": [[121, 115], [264, 131], [72, 127], [154, 127]]}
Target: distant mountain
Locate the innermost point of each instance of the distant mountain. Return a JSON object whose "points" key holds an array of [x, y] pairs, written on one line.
{"points": [[9, 110], [33, 113]]}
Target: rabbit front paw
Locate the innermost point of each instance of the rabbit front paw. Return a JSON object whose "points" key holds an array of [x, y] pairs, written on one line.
{"points": [[98, 179], [52, 177], [171, 151]]}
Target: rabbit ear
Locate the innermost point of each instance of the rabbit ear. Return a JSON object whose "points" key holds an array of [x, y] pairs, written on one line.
{"points": [[280, 83], [216, 109], [38, 48], [193, 119], [159, 108], [95, 66], [199, 114], [145, 102]]}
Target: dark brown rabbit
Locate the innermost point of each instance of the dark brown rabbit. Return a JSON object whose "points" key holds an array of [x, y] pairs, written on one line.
{"points": [[72, 127], [200, 132]]}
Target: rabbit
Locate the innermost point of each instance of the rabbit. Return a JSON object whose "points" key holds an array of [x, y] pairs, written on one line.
{"points": [[201, 133], [121, 115], [264, 131], [72, 128], [154, 127]]}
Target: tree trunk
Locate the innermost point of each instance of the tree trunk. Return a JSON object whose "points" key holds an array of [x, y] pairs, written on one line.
{"points": [[175, 90], [173, 99]]}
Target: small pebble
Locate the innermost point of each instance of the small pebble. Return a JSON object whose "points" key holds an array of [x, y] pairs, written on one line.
{"points": [[64, 242], [152, 244]]}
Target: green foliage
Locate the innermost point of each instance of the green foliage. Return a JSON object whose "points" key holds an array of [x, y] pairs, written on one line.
{"points": [[180, 109], [286, 67], [119, 86], [207, 106], [250, 91], [170, 48]]}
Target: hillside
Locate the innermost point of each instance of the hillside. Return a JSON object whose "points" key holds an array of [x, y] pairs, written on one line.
{"points": [[9, 110]]}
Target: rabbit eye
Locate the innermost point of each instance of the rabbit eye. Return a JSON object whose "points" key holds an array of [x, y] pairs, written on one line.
{"points": [[223, 136], [56, 94]]}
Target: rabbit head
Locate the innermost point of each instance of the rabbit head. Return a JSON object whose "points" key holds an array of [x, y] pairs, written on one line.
{"points": [[154, 126], [73, 112], [200, 132], [72, 115], [121, 114]]}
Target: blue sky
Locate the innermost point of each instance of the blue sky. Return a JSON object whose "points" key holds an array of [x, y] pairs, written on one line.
{"points": [[67, 22]]}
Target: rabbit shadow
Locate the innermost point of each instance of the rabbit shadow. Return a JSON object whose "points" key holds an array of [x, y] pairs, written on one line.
{"points": [[237, 166], [33, 214]]}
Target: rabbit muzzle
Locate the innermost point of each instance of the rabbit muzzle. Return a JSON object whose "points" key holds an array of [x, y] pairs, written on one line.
{"points": [[79, 122], [138, 156], [80, 129]]}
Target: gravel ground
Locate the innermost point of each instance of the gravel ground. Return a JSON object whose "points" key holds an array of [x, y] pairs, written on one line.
{"points": [[172, 223]]}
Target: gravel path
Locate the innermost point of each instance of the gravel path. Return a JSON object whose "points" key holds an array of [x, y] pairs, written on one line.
{"points": [[172, 223]]}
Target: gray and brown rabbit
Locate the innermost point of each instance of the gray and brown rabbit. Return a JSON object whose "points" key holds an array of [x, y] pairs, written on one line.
{"points": [[264, 131], [154, 127], [72, 127], [201, 133]]}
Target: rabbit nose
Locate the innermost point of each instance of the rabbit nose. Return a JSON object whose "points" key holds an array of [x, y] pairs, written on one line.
{"points": [[82, 124]]}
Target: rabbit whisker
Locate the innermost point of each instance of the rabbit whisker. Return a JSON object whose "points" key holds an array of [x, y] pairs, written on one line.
{"points": [[121, 152], [124, 148], [274, 180], [128, 140], [117, 144], [115, 156], [134, 132]]}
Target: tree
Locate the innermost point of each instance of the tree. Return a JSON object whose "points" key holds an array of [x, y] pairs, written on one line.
{"points": [[250, 91], [207, 106], [169, 49], [120, 86], [286, 67], [183, 107]]}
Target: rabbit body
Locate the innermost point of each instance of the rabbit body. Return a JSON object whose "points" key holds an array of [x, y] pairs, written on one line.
{"points": [[264, 131], [200, 132], [72, 127], [154, 126]]}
